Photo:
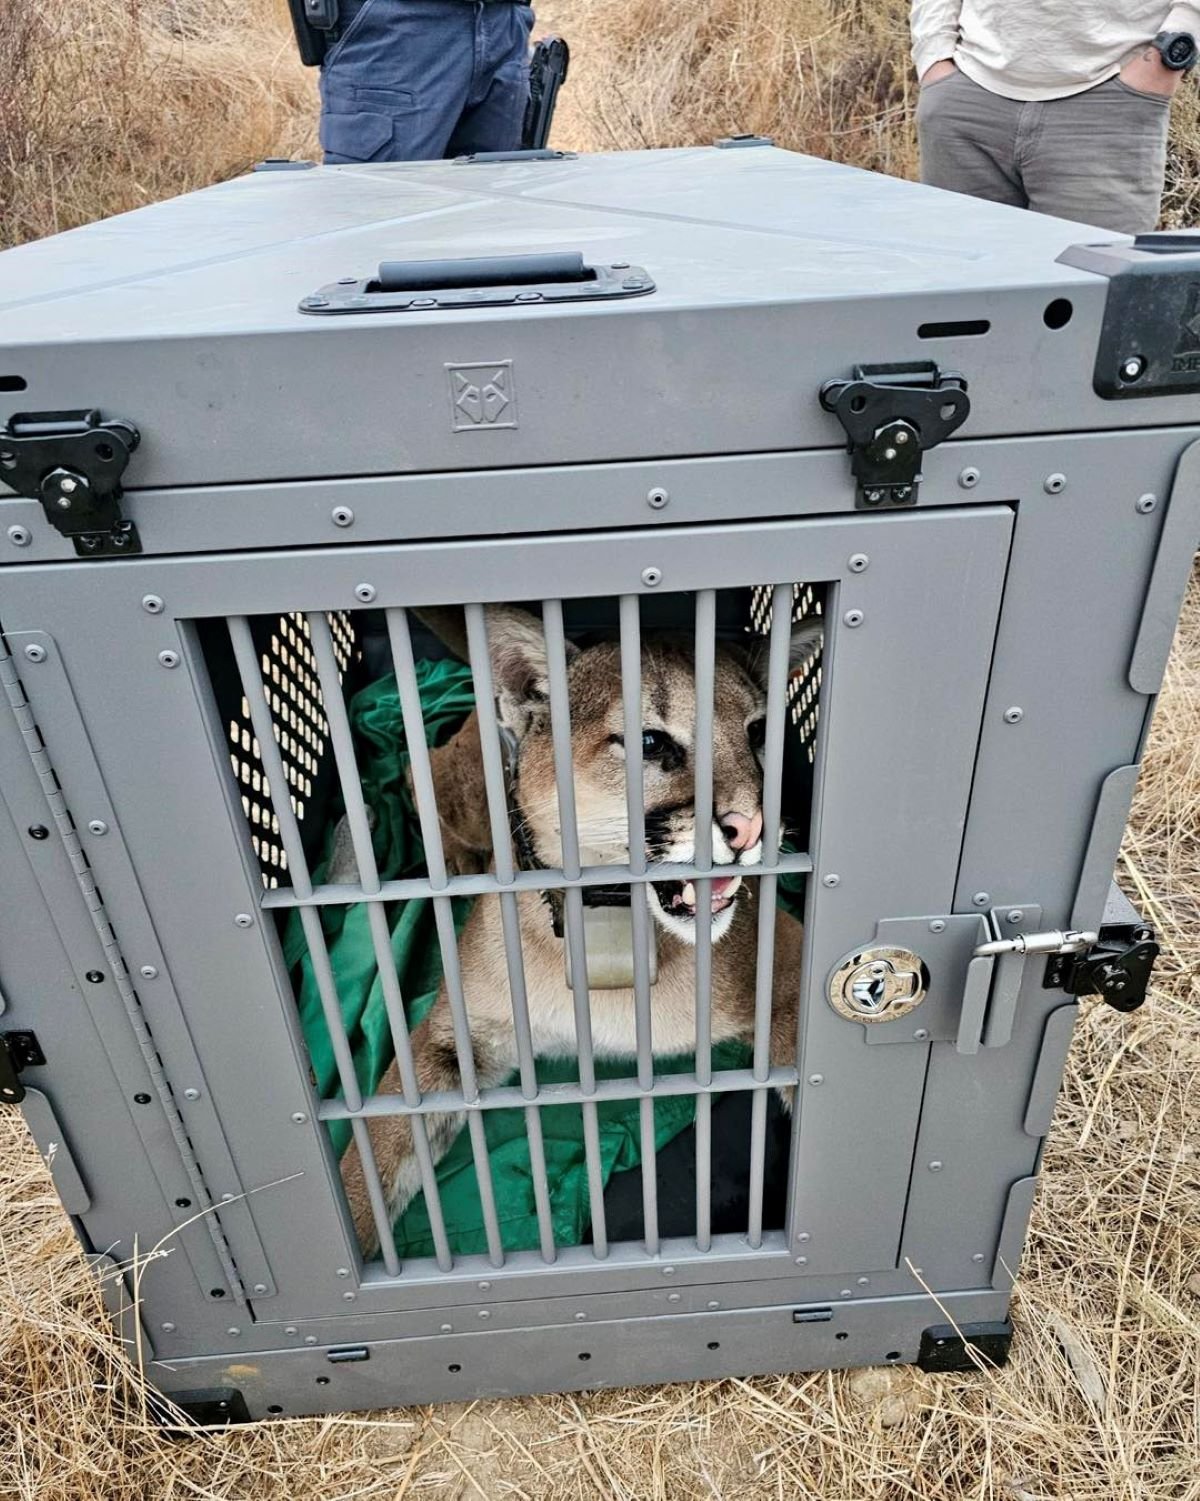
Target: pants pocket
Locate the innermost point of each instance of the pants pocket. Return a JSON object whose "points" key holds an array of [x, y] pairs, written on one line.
{"points": [[1161, 100]]}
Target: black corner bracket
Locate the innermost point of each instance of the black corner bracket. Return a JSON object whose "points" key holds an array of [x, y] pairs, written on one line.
{"points": [[203, 1407], [72, 463], [1150, 336], [948, 1347], [892, 415]]}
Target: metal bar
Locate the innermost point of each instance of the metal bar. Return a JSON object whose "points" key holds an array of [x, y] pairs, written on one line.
{"points": [[433, 1199], [631, 708], [318, 953], [649, 1175], [522, 880], [375, 1193], [591, 1149], [541, 1184], [489, 740], [510, 922], [758, 1151], [393, 1002], [705, 673], [704, 1172], [246, 655], [487, 1196], [703, 982], [510, 1096], [560, 730], [342, 740], [443, 912], [635, 806], [782, 598], [405, 669], [571, 871]]}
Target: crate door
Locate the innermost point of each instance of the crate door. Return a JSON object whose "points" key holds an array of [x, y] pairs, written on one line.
{"points": [[274, 742]]}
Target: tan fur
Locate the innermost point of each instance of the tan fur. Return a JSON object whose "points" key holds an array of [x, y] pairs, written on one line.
{"points": [[599, 774]]}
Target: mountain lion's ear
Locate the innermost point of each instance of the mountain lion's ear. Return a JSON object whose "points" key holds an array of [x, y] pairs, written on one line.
{"points": [[808, 636], [520, 672]]}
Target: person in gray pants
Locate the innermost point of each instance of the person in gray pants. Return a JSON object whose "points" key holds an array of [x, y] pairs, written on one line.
{"points": [[1061, 108], [412, 80]]}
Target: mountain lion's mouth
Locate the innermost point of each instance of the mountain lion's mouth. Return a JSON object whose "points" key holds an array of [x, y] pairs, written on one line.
{"points": [[678, 898]]}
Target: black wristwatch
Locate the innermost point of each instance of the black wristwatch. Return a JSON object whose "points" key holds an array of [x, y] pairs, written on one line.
{"points": [[1177, 49]]}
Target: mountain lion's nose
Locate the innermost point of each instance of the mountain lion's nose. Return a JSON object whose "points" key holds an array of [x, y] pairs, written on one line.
{"points": [[742, 833]]}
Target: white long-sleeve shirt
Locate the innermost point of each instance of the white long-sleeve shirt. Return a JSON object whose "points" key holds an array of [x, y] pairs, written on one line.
{"points": [[1041, 49]]}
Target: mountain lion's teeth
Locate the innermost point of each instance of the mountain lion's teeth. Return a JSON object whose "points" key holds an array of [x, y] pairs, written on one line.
{"points": [[689, 894]]}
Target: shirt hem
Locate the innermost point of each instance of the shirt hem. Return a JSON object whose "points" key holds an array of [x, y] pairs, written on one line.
{"points": [[998, 84]]}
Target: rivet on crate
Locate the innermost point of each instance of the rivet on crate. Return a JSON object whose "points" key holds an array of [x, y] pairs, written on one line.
{"points": [[981, 898], [349, 1297], [921, 1034], [234, 1330], [1015, 915], [1014, 715], [152, 604], [192, 1094], [816, 1079], [19, 536], [935, 1167], [831, 880], [167, 1328], [168, 658], [651, 577], [657, 498], [299, 1119], [938, 925], [98, 827], [260, 1287], [858, 562], [148, 972], [1146, 504], [364, 593], [36, 653], [342, 1271], [853, 618], [447, 1328], [968, 478], [1054, 484], [243, 920], [342, 516]]}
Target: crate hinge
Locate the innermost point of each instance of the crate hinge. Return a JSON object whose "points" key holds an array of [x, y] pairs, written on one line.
{"points": [[18, 1051], [13, 691], [892, 415], [72, 464]]}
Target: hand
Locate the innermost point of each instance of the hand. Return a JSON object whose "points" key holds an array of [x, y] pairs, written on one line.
{"points": [[1147, 72], [943, 69]]}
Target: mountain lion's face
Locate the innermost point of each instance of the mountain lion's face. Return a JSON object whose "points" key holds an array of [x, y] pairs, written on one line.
{"points": [[667, 733]]}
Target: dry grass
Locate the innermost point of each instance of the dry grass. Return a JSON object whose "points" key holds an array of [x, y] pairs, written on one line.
{"points": [[105, 104], [1101, 1401]]}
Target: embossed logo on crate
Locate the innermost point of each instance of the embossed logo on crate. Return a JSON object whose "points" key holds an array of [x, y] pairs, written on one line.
{"points": [[482, 396]]}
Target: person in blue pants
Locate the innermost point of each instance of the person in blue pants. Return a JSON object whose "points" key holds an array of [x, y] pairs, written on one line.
{"points": [[413, 80]]}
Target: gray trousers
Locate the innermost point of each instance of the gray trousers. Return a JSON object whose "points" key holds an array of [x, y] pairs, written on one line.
{"points": [[1098, 157]]}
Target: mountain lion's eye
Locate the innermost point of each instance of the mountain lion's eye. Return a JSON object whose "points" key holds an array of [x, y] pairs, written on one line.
{"points": [[756, 733], [655, 743]]}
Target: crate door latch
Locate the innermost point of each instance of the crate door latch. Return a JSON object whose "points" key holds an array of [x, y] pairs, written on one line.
{"points": [[72, 464], [892, 415]]}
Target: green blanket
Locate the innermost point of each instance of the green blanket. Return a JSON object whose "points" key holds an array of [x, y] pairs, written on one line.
{"points": [[446, 699]]}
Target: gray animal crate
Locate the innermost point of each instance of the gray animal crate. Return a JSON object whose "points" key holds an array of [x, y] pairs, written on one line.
{"points": [[270, 444]]}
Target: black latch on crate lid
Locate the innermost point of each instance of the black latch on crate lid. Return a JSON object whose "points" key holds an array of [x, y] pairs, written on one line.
{"points": [[73, 464], [892, 415]]}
